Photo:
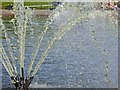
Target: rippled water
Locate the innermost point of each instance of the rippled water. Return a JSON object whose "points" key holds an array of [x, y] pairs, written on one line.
{"points": [[77, 60]]}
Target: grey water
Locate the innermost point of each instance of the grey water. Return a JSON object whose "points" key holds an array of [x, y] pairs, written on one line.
{"points": [[76, 61]]}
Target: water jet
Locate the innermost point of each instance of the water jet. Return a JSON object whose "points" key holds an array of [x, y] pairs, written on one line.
{"points": [[29, 45]]}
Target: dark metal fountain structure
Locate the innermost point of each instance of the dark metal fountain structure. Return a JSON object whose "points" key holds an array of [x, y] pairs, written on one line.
{"points": [[22, 83]]}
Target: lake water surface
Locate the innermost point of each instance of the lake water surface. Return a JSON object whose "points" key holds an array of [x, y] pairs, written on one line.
{"points": [[78, 59]]}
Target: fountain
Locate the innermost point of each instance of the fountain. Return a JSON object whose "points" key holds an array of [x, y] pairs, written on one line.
{"points": [[22, 74], [20, 21]]}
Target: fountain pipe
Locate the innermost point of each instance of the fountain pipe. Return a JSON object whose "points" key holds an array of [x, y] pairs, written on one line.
{"points": [[21, 83], [22, 74]]}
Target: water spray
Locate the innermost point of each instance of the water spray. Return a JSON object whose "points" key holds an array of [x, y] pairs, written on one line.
{"points": [[21, 80]]}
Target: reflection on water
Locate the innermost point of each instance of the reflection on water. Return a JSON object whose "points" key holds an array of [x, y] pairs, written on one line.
{"points": [[77, 60]]}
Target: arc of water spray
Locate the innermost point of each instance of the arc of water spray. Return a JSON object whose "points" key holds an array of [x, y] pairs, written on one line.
{"points": [[38, 44], [56, 38], [21, 30], [4, 58], [102, 52], [6, 66], [6, 62], [40, 38], [11, 53]]}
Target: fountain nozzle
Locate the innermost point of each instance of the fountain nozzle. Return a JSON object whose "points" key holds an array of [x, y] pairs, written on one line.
{"points": [[21, 83]]}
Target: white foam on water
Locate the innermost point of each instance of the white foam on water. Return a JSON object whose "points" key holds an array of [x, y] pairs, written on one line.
{"points": [[37, 85]]}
